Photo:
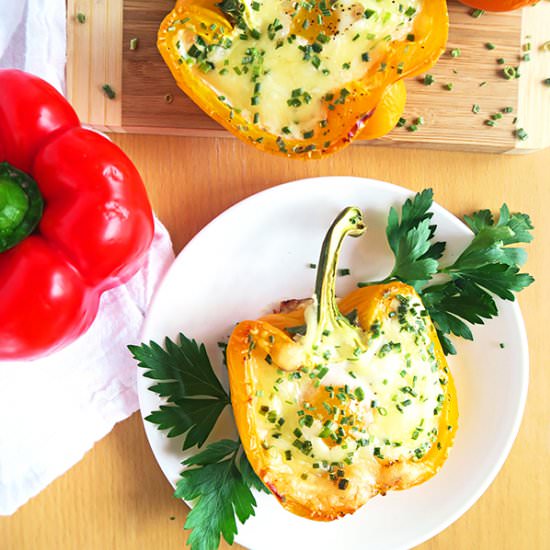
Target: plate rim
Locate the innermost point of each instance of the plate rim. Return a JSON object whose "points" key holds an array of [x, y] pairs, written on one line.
{"points": [[403, 192]]}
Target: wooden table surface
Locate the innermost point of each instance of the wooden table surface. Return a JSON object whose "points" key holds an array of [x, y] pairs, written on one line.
{"points": [[117, 498]]}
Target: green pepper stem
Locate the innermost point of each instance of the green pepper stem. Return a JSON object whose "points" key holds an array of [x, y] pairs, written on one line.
{"points": [[21, 206], [348, 222]]}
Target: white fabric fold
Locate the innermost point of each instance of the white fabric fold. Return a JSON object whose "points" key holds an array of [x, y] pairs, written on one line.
{"points": [[53, 410], [33, 38]]}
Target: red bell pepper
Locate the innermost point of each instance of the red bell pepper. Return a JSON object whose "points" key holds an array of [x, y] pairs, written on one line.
{"points": [[74, 219]]}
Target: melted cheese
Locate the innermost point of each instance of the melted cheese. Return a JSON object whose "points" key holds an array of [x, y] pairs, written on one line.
{"points": [[382, 397], [278, 76]]}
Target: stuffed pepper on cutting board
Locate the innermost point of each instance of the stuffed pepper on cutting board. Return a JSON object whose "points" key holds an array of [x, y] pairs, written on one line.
{"points": [[302, 79]]}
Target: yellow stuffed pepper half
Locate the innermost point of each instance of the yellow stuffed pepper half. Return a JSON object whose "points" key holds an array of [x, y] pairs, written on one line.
{"points": [[302, 78], [336, 402]]}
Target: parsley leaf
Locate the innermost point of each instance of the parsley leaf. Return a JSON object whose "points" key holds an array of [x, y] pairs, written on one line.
{"points": [[249, 476], [220, 492], [487, 265], [490, 242], [413, 262], [452, 303], [416, 257], [409, 237], [219, 479], [186, 379]]}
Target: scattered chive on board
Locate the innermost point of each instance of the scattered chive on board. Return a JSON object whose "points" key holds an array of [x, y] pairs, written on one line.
{"points": [[108, 91]]}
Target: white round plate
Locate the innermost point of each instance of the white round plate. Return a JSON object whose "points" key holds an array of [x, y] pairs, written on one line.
{"points": [[256, 254]]}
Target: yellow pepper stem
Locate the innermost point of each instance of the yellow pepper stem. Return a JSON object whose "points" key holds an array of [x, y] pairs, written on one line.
{"points": [[348, 222]]}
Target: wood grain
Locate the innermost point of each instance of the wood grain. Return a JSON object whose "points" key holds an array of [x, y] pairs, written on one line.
{"points": [[117, 498], [149, 101], [449, 120], [536, 98], [152, 102], [94, 58]]}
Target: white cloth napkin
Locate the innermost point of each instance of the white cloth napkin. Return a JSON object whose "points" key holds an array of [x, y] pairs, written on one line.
{"points": [[54, 409], [33, 38]]}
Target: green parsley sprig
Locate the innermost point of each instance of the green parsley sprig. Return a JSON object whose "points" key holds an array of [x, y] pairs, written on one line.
{"points": [[219, 484], [487, 266], [218, 480], [185, 378]]}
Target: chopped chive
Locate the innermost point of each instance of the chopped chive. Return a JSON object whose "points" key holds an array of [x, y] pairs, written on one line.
{"points": [[134, 43], [521, 134], [322, 373], [343, 484], [81, 18], [359, 393], [428, 80], [109, 92], [510, 72]]}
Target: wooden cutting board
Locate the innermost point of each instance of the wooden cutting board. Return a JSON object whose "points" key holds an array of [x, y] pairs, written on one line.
{"points": [[148, 100]]}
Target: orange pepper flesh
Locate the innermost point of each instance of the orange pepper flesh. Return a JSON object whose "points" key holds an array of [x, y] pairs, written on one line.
{"points": [[348, 116], [387, 113], [499, 5]]}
